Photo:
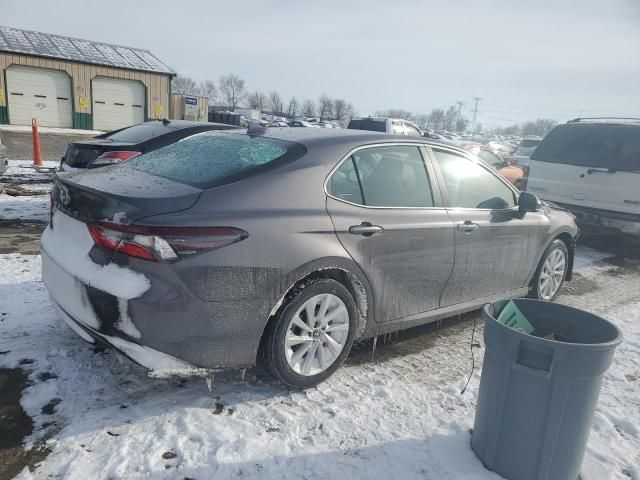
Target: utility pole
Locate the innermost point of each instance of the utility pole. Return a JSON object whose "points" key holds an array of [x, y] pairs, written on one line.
{"points": [[460, 105], [475, 110]]}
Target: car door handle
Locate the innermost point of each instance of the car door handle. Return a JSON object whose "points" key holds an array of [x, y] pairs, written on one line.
{"points": [[366, 229], [467, 227]]}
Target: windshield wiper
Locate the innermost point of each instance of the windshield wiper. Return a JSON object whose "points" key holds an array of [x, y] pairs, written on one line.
{"points": [[596, 170]]}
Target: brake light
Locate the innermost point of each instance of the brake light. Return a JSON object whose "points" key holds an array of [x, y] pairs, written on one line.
{"points": [[525, 177], [167, 243], [118, 155]]}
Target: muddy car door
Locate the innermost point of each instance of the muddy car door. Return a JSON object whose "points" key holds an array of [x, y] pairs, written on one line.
{"points": [[496, 247], [392, 223]]}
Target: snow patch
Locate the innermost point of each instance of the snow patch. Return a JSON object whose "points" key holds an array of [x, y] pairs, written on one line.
{"points": [[125, 324], [69, 243]]}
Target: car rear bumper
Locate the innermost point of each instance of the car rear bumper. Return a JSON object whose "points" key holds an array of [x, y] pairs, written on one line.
{"points": [[166, 329], [626, 223]]}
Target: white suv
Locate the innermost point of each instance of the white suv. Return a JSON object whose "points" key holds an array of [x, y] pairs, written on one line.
{"points": [[592, 168]]}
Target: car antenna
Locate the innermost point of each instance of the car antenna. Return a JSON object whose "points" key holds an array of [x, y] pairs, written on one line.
{"points": [[166, 121]]}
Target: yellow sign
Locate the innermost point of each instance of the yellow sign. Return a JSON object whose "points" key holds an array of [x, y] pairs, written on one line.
{"points": [[158, 110], [1, 96], [83, 102]]}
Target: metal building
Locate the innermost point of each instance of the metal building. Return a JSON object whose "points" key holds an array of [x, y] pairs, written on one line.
{"points": [[74, 83]]}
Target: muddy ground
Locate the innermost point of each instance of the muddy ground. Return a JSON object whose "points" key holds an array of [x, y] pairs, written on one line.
{"points": [[20, 145]]}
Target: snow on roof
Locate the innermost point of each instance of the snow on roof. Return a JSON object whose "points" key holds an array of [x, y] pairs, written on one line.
{"points": [[42, 44]]}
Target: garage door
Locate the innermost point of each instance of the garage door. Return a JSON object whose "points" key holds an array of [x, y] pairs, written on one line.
{"points": [[41, 94], [117, 103]]}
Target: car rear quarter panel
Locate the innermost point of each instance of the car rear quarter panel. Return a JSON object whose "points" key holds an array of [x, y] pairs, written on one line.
{"points": [[290, 233]]}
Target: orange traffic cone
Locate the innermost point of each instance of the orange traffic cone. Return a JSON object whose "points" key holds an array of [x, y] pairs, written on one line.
{"points": [[37, 154]]}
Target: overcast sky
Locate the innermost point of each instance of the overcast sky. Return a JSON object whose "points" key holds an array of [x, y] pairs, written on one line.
{"points": [[525, 59]]}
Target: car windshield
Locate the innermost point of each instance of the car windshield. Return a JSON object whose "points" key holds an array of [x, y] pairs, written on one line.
{"points": [[213, 159], [138, 133], [615, 147]]}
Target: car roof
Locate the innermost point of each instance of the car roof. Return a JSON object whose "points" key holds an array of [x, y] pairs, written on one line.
{"points": [[180, 124], [342, 136]]}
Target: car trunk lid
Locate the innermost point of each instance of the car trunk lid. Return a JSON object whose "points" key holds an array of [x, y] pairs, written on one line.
{"points": [[119, 194], [82, 154]]}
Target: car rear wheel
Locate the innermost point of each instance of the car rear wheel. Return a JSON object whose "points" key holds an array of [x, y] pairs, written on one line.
{"points": [[312, 335], [551, 271]]}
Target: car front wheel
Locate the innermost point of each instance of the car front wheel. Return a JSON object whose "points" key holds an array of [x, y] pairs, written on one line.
{"points": [[312, 335], [551, 272]]}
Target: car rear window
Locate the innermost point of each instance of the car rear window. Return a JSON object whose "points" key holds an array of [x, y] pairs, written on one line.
{"points": [[607, 146], [212, 159], [368, 124], [138, 133]]}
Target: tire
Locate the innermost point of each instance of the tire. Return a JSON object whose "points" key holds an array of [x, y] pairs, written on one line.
{"points": [[552, 270], [317, 357]]}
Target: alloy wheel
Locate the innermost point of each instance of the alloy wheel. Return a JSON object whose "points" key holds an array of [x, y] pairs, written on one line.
{"points": [[552, 274], [317, 334]]}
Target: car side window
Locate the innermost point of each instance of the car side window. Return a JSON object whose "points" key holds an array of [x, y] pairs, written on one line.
{"points": [[470, 185], [344, 183], [490, 159], [393, 176]]}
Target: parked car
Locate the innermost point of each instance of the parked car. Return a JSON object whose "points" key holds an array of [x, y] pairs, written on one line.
{"points": [[285, 246], [299, 123], [511, 172], [278, 123], [527, 146], [500, 148], [592, 167], [396, 126], [126, 143]]}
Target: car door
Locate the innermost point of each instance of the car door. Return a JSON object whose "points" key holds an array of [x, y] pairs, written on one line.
{"points": [[495, 245], [392, 223]]}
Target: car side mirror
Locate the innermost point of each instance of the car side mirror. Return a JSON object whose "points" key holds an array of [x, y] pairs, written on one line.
{"points": [[528, 203]]}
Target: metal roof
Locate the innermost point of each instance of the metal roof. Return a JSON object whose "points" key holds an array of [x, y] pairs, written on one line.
{"points": [[28, 42]]}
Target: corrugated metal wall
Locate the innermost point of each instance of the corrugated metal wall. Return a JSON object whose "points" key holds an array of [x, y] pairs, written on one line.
{"points": [[157, 85]]}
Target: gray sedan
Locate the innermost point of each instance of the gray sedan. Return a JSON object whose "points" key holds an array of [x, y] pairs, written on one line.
{"points": [[284, 246]]}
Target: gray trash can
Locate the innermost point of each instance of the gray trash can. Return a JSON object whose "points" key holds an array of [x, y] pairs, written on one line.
{"points": [[538, 396]]}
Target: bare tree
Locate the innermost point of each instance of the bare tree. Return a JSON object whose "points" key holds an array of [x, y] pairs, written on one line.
{"points": [[207, 88], [396, 113], [340, 109], [450, 117], [292, 108], [436, 118], [183, 85], [422, 119], [309, 108], [257, 101], [325, 106], [350, 111], [461, 124], [275, 101], [232, 89], [544, 126]]}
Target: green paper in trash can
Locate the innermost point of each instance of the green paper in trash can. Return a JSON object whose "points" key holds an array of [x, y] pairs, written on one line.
{"points": [[511, 316]]}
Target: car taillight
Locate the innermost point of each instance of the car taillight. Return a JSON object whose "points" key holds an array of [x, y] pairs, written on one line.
{"points": [[525, 177], [114, 156], [167, 243]]}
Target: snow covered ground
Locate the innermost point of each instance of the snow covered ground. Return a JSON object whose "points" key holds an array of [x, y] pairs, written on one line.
{"points": [[29, 192], [400, 415]]}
